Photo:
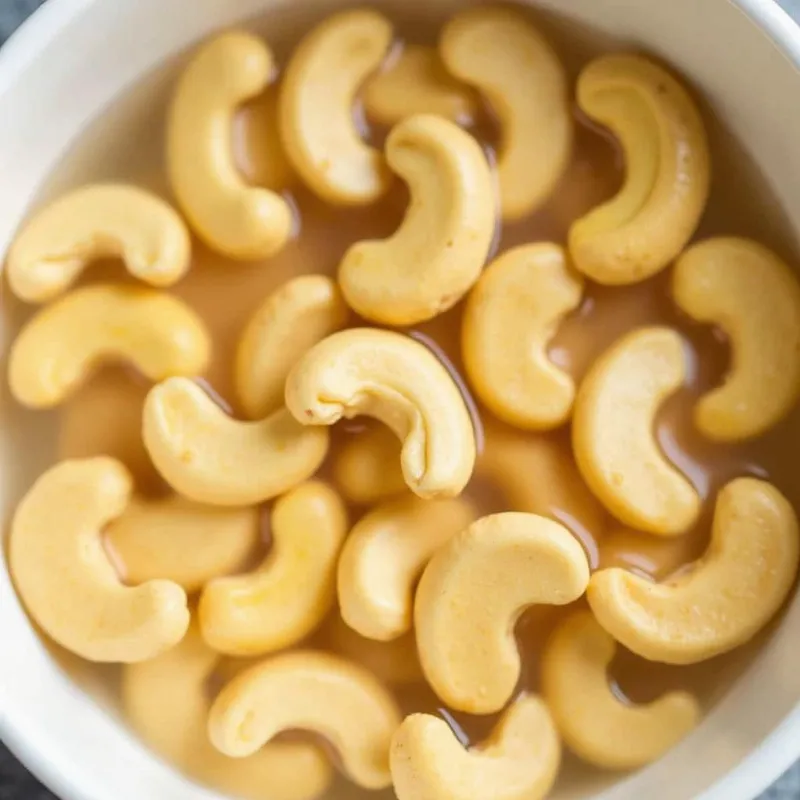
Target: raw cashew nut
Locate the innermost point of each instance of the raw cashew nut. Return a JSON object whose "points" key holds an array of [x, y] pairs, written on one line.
{"points": [[754, 297], [232, 217], [519, 761], [613, 433], [667, 173], [207, 456], [384, 556], [292, 590], [594, 722], [310, 691], [400, 382], [500, 53], [66, 341], [65, 579], [509, 319], [472, 593], [98, 221], [437, 253], [732, 592], [318, 92]]}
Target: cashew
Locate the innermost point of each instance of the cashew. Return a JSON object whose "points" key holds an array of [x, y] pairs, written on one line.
{"points": [[65, 579], [65, 342], [613, 437], [473, 591], [401, 383], [730, 594], [500, 53], [437, 253], [292, 319], [310, 691], [509, 319], [519, 761], [649, 221], [754, 297], [238, 220], [318, 92], [595, 723], [207, 456], [385, 555]]}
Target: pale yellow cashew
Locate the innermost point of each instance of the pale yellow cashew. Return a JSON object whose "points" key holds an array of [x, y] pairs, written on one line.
{"points": [[473, 591], [65, 579], [500, 53], [729, 595], [613, 433], [317, 96], [65, 342], [294, 317], [99, 221], [595, 723], [232, 217], [292, 590], [667, 172], [310, 691], [509, 319], [519, 761], [754, 297], [400, 382], [437, 253], [210, 457], [384, 556]]}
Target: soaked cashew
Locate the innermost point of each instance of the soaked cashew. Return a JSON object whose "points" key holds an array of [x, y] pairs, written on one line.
{"points": [[754, 297], [292, 590], [667, 172], [310, 691], [65, 579], [465, 636], [500, 53], [317, 98], [437, 253], [729, 595], [595, 723], [232, 217], [66, 341], [509, 319], [207, 456], [400, 382], [613, 433]]}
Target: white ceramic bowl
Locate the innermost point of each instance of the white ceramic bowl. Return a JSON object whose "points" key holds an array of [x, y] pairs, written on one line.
{"points": [[72, 59]]}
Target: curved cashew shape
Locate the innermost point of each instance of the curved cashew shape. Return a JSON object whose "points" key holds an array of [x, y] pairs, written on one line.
{"points": [[292, 590], [232, 217], [594, 722], [65, 342], [60, 241], [613, 437], [732, 592], [317, 692], [400, 382], [519, 301], [65, 579], [294, 317], [519, 761], [318, 92], [500, 53], [466, 637], [754, 297], [650, 220], [437, 253], [384, 556], [207, 456]]}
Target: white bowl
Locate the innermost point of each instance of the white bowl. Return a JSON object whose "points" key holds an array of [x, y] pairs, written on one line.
{"points": [[68, 64]]}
